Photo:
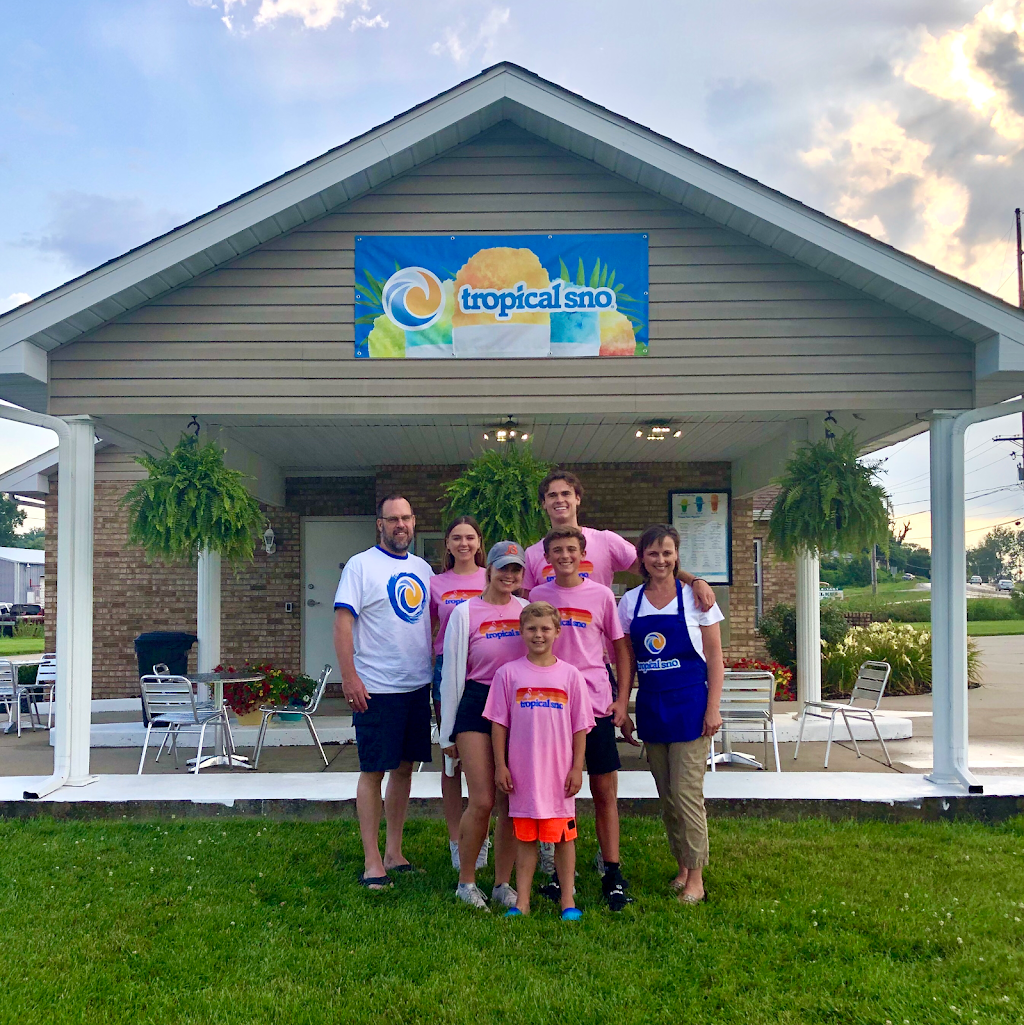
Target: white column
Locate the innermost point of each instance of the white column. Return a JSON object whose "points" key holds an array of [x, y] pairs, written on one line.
{"points": [[208, 610], [949, 603], [76, 473], [808, 628]]}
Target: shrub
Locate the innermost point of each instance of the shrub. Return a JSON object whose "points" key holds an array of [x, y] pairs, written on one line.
{"points": [[24, 629], [26, 674], [907, 650], [992, 608], [778, 629], [904, 612], [785, 685]]}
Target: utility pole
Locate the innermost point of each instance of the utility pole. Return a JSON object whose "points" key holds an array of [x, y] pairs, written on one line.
{"points": [[874, 569], [1020, 286]]}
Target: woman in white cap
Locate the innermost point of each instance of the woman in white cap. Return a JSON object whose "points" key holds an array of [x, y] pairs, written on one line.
{"points": [[482, 635]]}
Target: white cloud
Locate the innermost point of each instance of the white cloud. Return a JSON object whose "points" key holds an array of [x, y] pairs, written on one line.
{"points": [[963, 66], [13, 300], [363, 22], [456, 45]]}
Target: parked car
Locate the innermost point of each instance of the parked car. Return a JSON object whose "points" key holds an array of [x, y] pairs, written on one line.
{"points": [[908, 576], [1004, 585], [26, 610], [5, 608], [975, 579]]}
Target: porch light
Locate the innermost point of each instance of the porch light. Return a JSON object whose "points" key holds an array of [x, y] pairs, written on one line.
{"points": [[268, 540]]}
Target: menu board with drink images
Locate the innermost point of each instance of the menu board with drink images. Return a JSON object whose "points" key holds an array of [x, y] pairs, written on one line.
{"points": [[705, 539]]}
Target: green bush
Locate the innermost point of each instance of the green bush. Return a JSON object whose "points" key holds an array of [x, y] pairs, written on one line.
{"points": [[28, 630], [992, 608], [907, 650], [26, 674], [778, 629], [905, 612]]}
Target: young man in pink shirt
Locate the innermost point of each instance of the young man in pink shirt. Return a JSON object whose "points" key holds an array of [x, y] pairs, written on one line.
{"points": [[590, 626], [541, 714], [561, 494]]}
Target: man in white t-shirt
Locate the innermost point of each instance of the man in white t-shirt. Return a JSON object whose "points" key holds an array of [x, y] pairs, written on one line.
{"points": [[382, 639]]}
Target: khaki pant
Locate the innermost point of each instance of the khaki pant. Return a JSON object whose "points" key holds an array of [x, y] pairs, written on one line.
{"points": [[679, 774]]}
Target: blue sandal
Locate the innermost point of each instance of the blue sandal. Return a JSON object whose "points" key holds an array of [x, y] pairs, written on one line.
{"points": [[571, 915]]}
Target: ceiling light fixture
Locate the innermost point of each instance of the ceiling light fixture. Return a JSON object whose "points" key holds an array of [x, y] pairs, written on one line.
{"points": [[507, 431]]}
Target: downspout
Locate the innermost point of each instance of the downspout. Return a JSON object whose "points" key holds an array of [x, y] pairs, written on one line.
{"points": [[949, 592], [76, 468]]}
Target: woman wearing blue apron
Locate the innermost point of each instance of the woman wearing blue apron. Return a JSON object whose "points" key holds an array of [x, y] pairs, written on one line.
{"points": [[677, 650]]}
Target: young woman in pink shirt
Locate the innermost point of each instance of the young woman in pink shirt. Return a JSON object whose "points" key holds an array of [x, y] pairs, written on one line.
{"points": [[482, 635], [463, 578]]}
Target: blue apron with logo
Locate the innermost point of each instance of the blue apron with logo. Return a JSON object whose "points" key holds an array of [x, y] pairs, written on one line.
{"points": [[672, 678]]}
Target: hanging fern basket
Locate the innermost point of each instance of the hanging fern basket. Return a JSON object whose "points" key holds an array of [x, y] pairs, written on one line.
{"points": [[830, 502], [190, 502], [499, 488]]}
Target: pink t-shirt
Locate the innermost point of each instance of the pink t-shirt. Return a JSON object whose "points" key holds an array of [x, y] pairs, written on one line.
{"points": [[449, 589], [590, 620], [493, 638], [606, 555], [542, 707]]}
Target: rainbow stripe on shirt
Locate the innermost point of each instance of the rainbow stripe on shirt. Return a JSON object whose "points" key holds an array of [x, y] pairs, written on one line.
{"points": [[541, 697], [494, 629], [579, 618]]}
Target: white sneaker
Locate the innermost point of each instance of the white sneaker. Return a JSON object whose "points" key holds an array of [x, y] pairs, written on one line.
{"points": [[481, 858], [547, 858], [504, 895], [454, 848], [471, 895]]}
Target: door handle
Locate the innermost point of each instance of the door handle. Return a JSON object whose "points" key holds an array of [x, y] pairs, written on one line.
{"points": [[311, 602]]}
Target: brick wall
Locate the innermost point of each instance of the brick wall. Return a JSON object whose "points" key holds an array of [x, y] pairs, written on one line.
{"points": [[330, 496]]}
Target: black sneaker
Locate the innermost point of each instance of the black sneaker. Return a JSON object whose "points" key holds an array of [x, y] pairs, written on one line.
{"points": [[614, 888], [552, 890]]}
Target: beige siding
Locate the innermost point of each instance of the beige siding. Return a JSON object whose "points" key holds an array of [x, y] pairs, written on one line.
{"points": [[733, 325]]}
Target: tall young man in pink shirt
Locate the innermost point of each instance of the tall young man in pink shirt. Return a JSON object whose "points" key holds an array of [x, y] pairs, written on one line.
{"points": [[561, 494], [590, 626]]}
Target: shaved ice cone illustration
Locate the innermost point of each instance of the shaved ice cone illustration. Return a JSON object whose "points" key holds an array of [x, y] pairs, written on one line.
{"points": [[714, 503], [576, 333], [386, 340], [522, 334], [699, 502], [435, 341], [617, 338]]}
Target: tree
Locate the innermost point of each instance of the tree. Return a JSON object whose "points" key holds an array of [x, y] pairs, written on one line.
{"points": [[34, 538], [997, 554], [11, 517]]}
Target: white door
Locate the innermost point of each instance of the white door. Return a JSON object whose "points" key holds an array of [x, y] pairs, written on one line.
{"points": [[327, 544]]}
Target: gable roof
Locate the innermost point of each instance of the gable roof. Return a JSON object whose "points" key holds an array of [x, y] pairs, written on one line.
{"points": [[567, 120]]}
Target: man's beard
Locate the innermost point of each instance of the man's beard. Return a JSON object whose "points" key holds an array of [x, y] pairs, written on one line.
{"points": [[397, 545]]}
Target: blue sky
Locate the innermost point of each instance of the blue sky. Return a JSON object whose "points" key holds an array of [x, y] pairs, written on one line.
{"points": [[122, 118]]}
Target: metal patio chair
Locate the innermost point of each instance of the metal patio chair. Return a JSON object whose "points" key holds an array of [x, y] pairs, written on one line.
{"points": [[30, 694], [746, 707], [8, 688], [46, 682], [307, 711], [869, 686], [170, 705]]}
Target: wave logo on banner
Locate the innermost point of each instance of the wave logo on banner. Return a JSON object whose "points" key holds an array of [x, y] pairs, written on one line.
{"points": [[413, 298], [655, 643]]}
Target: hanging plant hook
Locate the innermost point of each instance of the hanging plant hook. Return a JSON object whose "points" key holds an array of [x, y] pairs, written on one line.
{"points": [[830, 435], [193, 425]]}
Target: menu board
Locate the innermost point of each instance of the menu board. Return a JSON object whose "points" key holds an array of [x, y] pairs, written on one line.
{"points": [[705, 535]]}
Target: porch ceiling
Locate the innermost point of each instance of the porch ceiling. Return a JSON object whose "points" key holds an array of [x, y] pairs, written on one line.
{"points": [[306, 445]]}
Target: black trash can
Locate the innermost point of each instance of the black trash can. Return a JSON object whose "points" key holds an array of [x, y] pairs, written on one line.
{"points": [[170, 647]]}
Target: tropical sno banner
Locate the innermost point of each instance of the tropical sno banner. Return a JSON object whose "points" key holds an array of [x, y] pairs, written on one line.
{"points": [[500, 296]]}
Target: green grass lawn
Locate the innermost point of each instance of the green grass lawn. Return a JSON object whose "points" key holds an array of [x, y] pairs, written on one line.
{"points": [[21, 646], [248, 921], [985, 628], [860, 599]]}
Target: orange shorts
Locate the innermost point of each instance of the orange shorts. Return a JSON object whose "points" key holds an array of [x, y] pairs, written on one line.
{"points": [[545, 830]]}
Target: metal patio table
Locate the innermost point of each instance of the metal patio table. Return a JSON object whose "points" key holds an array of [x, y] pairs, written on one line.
{"points": [[217, 681]]}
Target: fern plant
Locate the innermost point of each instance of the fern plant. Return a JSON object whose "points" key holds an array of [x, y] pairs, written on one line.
{"points": [[499, 488], [830, 502], [191, 501]]}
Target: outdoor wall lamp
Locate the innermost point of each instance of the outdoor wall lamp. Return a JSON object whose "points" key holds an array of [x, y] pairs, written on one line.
{"points": [[268, 540]]}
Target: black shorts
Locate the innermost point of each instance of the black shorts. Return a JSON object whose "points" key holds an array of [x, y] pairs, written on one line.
{"points": [[469, 717], [602, 750], [394, 728]]}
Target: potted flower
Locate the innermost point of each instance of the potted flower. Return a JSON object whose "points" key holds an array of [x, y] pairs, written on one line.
{"points": [[276, 687], [785, 689]]}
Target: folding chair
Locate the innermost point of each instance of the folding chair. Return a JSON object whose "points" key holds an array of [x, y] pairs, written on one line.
{"points": [[8, 689], [869, 686], [30, 694], [746, 706], [170, 705], [307, 711]]}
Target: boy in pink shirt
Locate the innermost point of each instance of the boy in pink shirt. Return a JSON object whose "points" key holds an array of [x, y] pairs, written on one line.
{"points": [[541, 715], [590, 625]]}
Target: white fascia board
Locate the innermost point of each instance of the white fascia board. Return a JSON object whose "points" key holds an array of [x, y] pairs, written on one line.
{"points": [[243, 213], [25, 359], [998, 355], [31, 476], [785, 214]]}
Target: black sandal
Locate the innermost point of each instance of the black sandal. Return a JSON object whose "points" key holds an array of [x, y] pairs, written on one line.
{"points": [[376, 883]]}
